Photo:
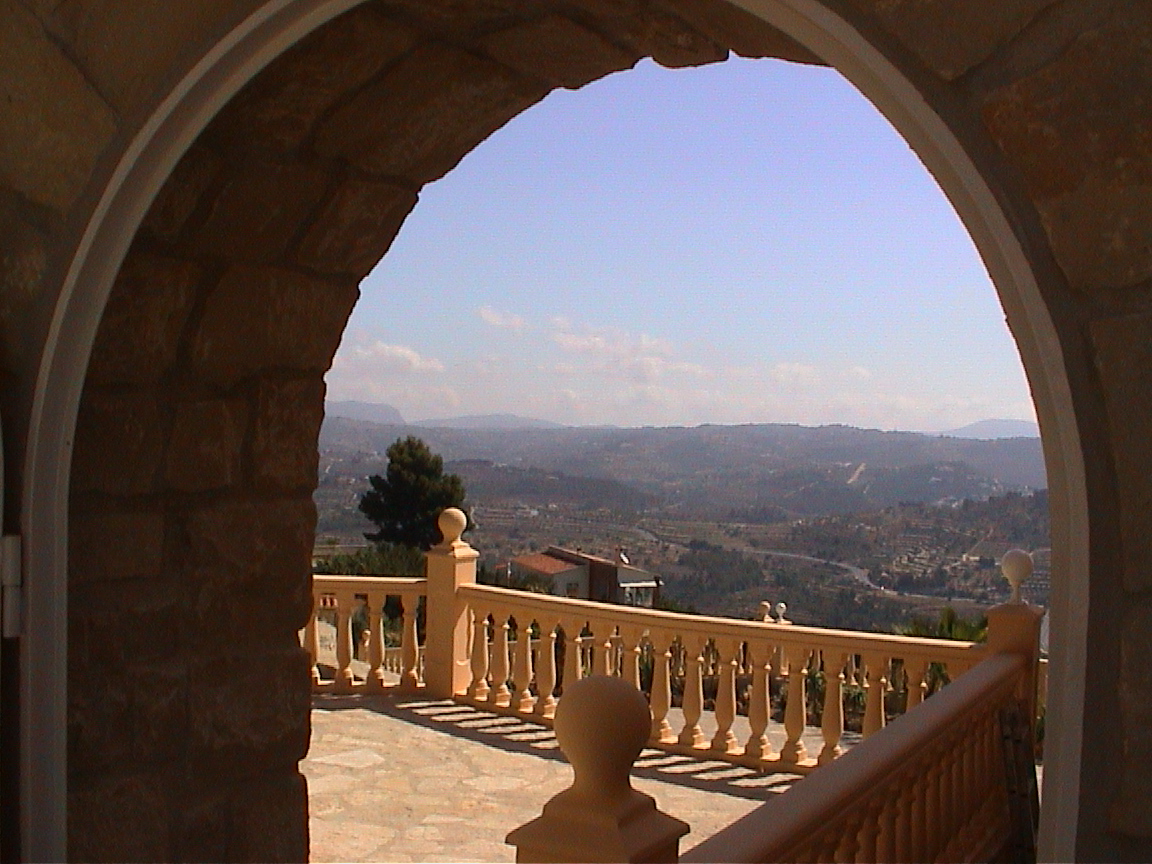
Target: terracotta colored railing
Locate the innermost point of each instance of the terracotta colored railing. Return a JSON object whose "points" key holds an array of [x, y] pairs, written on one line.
{"points": [[340, 597], [577, 638], [933, 786]]}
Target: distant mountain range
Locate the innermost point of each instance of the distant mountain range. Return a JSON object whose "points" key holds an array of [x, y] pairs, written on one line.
{"points": [[755, 472], [988, 430], [376, 412]]}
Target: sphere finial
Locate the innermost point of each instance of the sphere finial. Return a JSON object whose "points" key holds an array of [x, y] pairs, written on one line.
{"points": [[602, 724], [1017, 567], [452, 523]]}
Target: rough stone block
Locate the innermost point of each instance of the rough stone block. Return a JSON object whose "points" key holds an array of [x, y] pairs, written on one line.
{"points": [[558, 50], [932, 28], [455, 21], [355, 228], [145, 315], [279, 108], [739, 31], [1124, 363], [1079, 130], [23, 261], [178, 198], [258, 209], [127, 714], [55, 124], [266, 318], [260, 544], [110, 546], [272, 818], [129, 50], [206, 445], [121, 817], [119, 443], [238, 616], [1132, 810], [422, 117], [654, 32], [249, 713], [288, 418]]}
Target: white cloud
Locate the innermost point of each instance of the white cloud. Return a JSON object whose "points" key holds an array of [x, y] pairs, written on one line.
{"points": [[794, 375], [382, 357], [505, 320]]}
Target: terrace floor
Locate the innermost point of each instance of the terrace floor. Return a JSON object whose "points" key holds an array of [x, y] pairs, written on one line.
{"points": [[396, 777]]}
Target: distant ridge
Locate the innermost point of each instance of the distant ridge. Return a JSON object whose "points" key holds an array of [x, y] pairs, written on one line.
{"points": [[487, 421], [373, 412], [990, 430]]}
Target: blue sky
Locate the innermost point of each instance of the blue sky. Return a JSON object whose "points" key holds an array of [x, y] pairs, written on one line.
{"points": [[743, 242]]}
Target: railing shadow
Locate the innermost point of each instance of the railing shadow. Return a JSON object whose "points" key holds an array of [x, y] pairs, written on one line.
{"points": [[515, 735]]}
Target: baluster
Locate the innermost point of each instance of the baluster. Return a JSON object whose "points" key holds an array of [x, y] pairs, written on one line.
{"points": [[312, 641], [944, 787], [374, 682], [479, 689], [573, 665], [886, 828], [849, 841], [409, 649], [759, 658], [630, 654], [963, 778], [606, 650], [934, 824], [522, 668], [903, 836], [725, 741], [693, 706], [917, 670], [918, 842], [344, 683], [832, 723], [869, 835], [546, 675], [500, 696], [794, 710], [876, 687], [661, 699]]}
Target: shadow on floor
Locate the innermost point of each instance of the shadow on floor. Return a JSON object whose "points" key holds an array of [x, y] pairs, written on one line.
{"points": [[514, 735]]}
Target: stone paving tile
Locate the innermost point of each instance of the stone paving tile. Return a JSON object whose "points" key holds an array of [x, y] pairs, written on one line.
{"points": [[398, 778]]}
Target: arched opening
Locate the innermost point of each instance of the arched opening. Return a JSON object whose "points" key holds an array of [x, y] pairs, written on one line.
{"points": [[197, 428]]}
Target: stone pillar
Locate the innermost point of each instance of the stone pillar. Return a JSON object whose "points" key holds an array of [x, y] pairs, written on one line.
{"points": [[447, 660], [602, 725], [1014, 627]]}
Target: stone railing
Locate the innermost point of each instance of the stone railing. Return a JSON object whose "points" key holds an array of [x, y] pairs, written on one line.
{"points": [[739, 665], [939, 784], [953, 779], [342, 599]]}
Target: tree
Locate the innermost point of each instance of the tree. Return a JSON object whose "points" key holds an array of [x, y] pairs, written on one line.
{"points": [[405, 503]]}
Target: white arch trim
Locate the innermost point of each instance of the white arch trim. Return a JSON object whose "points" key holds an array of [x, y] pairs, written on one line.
{"points": [[153, 153], [125, 197], [837, 42]]}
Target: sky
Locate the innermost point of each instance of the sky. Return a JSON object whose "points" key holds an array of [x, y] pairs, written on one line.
{"points": [[747, 242]]}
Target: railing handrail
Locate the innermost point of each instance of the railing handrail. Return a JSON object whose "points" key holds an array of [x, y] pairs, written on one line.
{"points": [[338, 580], [774, 829], [850, 641]]}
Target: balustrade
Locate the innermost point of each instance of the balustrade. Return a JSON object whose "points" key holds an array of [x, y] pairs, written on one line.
{"points": [[700, 664], [346, 599]]}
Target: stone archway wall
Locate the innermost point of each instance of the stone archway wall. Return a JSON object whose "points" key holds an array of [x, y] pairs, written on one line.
{"points": [[190, 515]]}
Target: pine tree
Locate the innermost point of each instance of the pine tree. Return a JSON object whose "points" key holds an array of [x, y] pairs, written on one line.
{"points": [[405, 503]]}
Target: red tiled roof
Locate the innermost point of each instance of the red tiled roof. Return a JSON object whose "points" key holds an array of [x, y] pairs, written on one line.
{"points": [[543, 563]]}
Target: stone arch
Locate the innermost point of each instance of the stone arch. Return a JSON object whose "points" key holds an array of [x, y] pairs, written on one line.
{"points": [[197, 423]]}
